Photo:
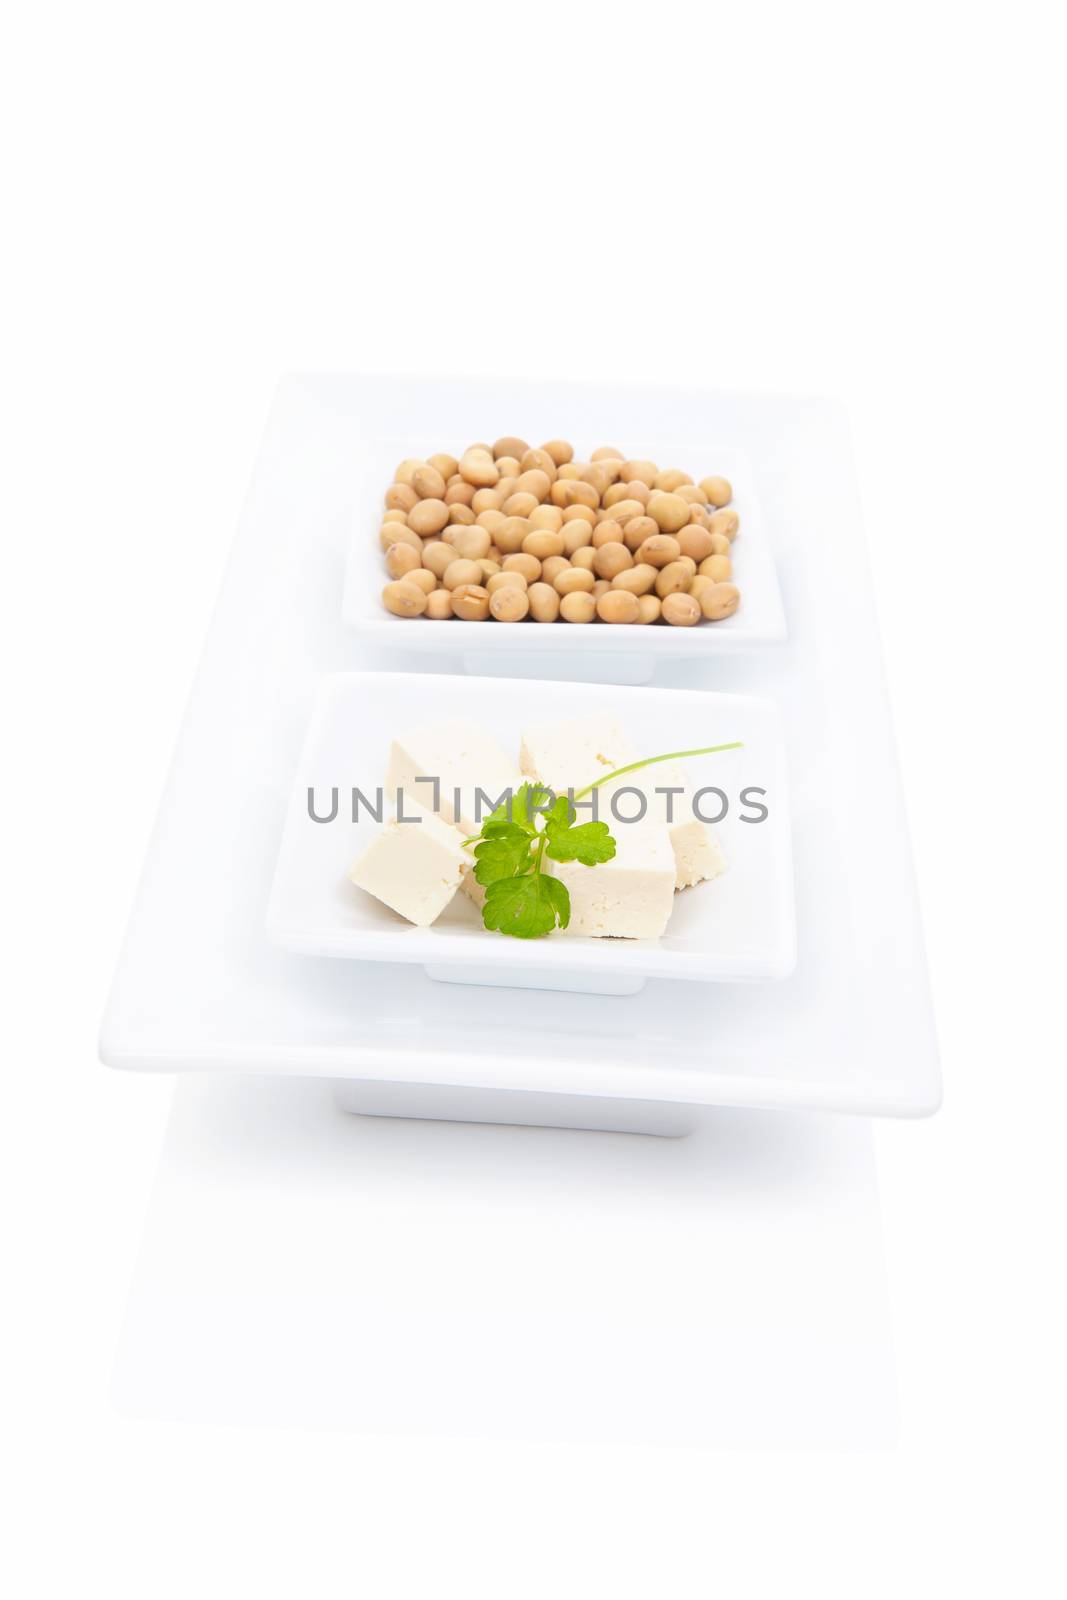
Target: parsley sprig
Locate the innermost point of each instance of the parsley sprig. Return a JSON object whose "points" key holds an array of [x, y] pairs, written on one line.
{"points": [[522, 899]]}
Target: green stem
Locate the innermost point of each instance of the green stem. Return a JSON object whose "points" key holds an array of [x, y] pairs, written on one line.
{"points": [[650, 761], [618, 772]]}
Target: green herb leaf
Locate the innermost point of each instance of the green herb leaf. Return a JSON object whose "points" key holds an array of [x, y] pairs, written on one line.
{"points": [[560, 816], [504, 854], [590, 843], [528, 804], [527, 907]]}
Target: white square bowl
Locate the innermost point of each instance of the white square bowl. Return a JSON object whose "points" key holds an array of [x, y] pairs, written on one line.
{"points": [[739, 926], [758, 621]]}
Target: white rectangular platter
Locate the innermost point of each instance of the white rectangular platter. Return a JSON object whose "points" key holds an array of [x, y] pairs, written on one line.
{"points": [[740, 925], [199, 987]]}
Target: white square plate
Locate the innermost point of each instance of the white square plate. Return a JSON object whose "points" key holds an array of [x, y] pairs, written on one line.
{"points": [[740, 925], [759, 620]]}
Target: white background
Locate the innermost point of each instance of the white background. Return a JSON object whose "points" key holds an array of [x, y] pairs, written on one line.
{"points": [[849, 199]]}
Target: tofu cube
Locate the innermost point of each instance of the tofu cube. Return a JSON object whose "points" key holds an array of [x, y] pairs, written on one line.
{"points": [[629, 897], [698, 854], [568, 755], [464, 760], [414, 867], [572, 754]]}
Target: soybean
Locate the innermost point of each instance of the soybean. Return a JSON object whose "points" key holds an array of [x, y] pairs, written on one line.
{"points": [[428, 483], [673, 579], [637, 579], [472, 543], [401, 497], [576, 580], [460, 573], [659, 551], [611, 559], [725, 522], [547, 517], [510, 446], [428, 516], [720, 601], [577, 607], [617, 605], [719, 569], [459, 494], [478, 468], [470, 602], [696, 542], [404, 599], [528, 565], [400, 559], [542, 543], [544, 602], [680, 610], [668, 511], [717, 491], [509, 603]]}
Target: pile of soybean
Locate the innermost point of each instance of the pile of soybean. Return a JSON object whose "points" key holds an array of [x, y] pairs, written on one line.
{"points": [[507, 532]]}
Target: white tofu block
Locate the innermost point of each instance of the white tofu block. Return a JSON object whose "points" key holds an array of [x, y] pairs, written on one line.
{"points": [[629, 897], [698, 855], [669, 798], [462, 757], [569, 755], [415, 867]]}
